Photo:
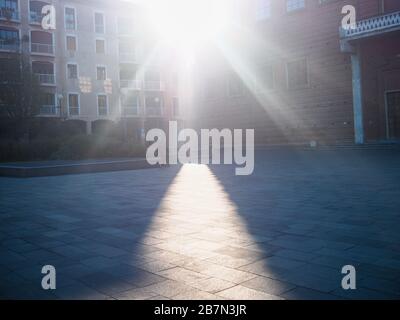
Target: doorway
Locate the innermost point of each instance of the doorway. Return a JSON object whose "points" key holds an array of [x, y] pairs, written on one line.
{"points": [[393, 115]]}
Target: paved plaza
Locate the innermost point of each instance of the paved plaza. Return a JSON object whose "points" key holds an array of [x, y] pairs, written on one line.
{"points": [[200, 232]]}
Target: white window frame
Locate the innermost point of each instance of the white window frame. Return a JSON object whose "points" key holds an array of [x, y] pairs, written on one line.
{"points": [[107, 107], [95, 45], [77, 70], [75, 15], [66, 42], [53, 42], [105, 69], [79, 103], [54, 70], [104, 21]]}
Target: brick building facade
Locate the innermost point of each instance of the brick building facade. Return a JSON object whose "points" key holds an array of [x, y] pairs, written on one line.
{"points": [[289, 71]]}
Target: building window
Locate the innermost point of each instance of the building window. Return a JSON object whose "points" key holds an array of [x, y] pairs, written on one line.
{"points": [[72, 71], [297, 74], [9, 39], [293, 5], [263, 9], [9, 9], [102, 105], [99, 22], [71, 43], [70, 19], [100, 46], [101, 73], [44, 71], [48, 106], [73, 104], [235, 85]]}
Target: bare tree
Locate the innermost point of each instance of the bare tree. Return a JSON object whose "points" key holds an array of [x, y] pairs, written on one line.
{"points": [[20, 92]]}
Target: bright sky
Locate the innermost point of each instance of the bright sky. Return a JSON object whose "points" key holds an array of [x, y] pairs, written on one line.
{"points": [[187, 23]]}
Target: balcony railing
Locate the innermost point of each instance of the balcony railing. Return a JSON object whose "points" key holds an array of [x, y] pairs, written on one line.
{"points": [[153, 111], [42, 48], [9, 45], [131, 84], [48, 110], [45, 78], [74, 111], [153, 85], [374, 25], [9, 14], [35, 17], [130, 110]]}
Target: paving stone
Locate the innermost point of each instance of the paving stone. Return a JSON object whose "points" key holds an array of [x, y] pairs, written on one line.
{"points": [[212, 285], [135, 294], [156, 266], [105, 283], [267, 285], [182, 275], [243, 293], [169, 288], [204, 229]]}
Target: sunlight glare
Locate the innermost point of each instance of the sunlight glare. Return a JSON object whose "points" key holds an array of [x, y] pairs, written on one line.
{"points": [[186, 24]]}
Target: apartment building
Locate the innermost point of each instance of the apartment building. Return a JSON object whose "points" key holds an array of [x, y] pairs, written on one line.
{"points": [[99, 64], [291, 72]]}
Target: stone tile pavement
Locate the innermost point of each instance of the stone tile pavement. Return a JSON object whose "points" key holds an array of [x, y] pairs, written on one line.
{"points": [[200, 232]]}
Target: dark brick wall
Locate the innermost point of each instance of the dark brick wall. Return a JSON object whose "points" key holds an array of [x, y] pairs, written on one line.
{"points": [[321, 110]]}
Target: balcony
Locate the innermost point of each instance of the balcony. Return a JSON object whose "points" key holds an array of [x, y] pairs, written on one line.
{"points": [[35, 17], [46, 79], [9, 45], [42, 48], [9, 14], [48, 110], [153, 85], [130, 84], [372, 26]]}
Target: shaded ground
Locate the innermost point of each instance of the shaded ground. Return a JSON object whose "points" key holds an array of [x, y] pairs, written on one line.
{"points": [[198, 232]]}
